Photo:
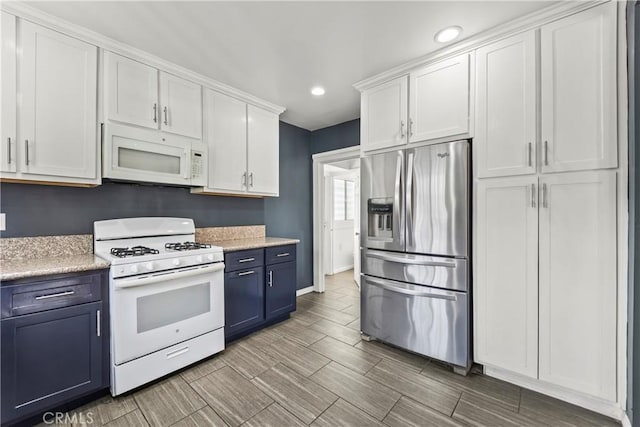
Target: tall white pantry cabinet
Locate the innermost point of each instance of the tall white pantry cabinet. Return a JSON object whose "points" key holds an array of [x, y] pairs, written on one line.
{"points": [[545, 281]]}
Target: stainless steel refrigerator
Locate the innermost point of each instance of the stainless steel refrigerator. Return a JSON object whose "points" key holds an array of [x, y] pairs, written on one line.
{"points": [[415, 250]]}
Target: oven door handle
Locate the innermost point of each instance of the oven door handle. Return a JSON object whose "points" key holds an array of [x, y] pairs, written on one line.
{"points": [[130, 283]]}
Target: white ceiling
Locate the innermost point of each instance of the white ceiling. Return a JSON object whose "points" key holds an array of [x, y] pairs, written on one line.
{"points": [[279, 50]]}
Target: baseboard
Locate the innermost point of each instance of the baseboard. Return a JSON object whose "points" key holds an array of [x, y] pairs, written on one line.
{"points": [[341, 269], [303, 291], [609, 409], [626, 422]]}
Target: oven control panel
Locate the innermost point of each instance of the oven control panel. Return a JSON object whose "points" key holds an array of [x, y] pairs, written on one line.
{"points": [[165, 264]]}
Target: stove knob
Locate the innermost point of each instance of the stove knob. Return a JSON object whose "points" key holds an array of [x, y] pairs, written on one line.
{"points": [[134, 268], [199, 258], [210, 257], [149, 265], [176, 262]]}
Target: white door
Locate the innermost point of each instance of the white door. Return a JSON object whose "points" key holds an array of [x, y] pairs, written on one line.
{"points": [[181, 102], [505, 136], [384, 115], [327, 224], [579, 110], [356, 234], [225, 134], [506, 285], [439, 100], [263, 152], [131, 91], [8, 88], [58, 122], [578, 282]]}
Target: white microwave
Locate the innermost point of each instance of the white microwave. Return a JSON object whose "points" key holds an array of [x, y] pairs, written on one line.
{"points": [[145, 155]]}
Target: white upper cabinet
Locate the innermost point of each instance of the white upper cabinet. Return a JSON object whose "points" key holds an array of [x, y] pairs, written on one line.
{"points": [[384, 115], [225, 134], [263, 151], [243, 143], [8, 93], [579, 109], [181, 102], [57, 116], [578, 286], [131, 91], [136, 95], [505, 122], [506, 282], [439, 100]]}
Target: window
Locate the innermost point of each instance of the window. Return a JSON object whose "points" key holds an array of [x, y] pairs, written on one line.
{"points": [[343, 200]]}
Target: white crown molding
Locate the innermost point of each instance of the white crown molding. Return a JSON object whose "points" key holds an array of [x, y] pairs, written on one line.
{"points": [[32, 14], [518, 25]]}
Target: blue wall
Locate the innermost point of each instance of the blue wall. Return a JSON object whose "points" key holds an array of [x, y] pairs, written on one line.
{"points": [[39, 210]]}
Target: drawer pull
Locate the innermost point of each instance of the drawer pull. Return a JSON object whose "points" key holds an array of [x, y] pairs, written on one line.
{"points": [[246, 260], [283, 254], [244, 273], [59, 294], [177, 352]]}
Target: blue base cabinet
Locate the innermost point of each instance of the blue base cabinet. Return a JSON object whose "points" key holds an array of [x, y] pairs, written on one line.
{"points": [[259, 289], [54, 343]]}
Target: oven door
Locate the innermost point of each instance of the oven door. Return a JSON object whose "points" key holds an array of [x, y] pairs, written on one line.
{"points": [[142, 155], [152, 312]]}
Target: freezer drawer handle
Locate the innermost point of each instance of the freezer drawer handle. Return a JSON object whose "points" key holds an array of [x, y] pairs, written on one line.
{"points": [[392, 258], [383, 285]]}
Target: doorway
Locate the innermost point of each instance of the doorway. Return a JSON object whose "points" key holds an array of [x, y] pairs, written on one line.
{"points": [[336, 218]]}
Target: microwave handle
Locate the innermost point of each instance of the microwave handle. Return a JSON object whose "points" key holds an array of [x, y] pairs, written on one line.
{"points": [[187, 165]]}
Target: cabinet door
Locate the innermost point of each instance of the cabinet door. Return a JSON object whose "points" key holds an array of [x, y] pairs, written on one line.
{"points": [[263, 156], [280, 298], [243, 300], [384, 115], [49, 358], [439, 100], [506, 283], [505, 134], [225, 134], [131, 91], [58, 122], [181, 102], [579, 106], [8, 86], [578, 282]]}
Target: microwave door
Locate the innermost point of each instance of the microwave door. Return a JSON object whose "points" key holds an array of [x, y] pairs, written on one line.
{"points": [[437, 199], [382, 201]]}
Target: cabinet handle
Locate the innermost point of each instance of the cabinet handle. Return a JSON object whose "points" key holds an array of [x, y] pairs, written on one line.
{"points": [[283, 254], [9, 150], [533, 195], [271, 278], [530, 154], [59, 294], [246, 260], [410, 128], [98, 327], [26, 152], [245, 273], [251, 179], [244, 179], [401, 129], [166, 122], [545, 202], [155, 113], [546, 153]]}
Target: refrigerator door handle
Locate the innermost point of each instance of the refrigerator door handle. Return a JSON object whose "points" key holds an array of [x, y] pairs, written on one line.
{"points": [[409, 198], [397, 199], [406, 290], [414, 260]]}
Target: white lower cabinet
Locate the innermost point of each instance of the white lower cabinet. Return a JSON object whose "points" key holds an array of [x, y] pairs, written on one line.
{"points": [[578, 282], [506, 290], [546, 281]]}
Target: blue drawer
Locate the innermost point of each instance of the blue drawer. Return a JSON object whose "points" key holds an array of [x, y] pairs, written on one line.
{"points": [[243, 260], [279, 254]]}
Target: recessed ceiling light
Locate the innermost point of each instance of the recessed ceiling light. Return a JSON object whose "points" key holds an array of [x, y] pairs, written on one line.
{"points": [[447, 34], [317, 91]]}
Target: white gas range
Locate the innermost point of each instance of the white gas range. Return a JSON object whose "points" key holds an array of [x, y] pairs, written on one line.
{"points": [[166, 297]]}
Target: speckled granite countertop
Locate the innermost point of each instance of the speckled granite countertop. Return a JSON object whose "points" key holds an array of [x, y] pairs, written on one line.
{"points": [[251, 243], [21, 268], [24, 257]]}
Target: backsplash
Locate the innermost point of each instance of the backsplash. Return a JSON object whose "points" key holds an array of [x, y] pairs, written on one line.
{"points": [[216, 234], [45, 246]]}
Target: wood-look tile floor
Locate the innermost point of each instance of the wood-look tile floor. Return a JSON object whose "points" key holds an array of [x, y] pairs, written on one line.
{"points": [[313, 369]]}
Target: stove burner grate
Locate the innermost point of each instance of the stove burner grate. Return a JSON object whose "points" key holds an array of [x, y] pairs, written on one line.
{"points": [[133, 251], [186, 246]]}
